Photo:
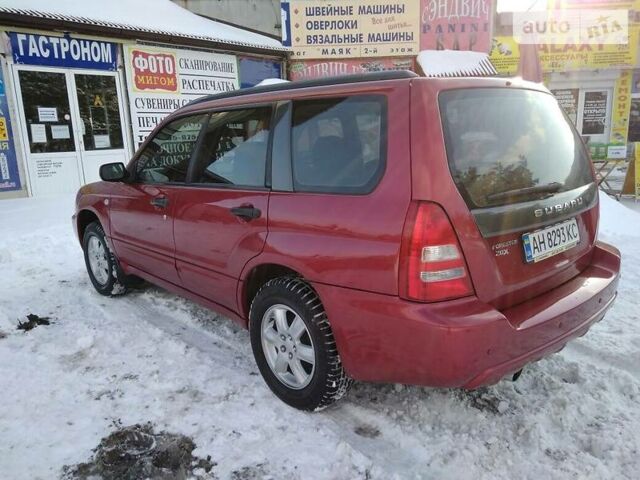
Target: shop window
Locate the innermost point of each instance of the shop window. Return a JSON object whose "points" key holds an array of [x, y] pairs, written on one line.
{"points": [[165, 159], [634, 120], [46, 109], [234, 148]]}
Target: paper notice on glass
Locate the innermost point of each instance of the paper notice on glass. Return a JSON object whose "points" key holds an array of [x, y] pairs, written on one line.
{"points": [[38, 133], [101, 141], [60, 132], [47, 114]]}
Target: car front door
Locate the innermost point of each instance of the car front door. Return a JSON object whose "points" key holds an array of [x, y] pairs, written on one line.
{"points": [[221, 215], [142, 210]]}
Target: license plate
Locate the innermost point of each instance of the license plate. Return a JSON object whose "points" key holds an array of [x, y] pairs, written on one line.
{"points": [[550, 241]]}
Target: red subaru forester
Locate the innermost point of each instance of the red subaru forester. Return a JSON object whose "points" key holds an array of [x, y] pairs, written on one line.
{"points": [[381, 227]]}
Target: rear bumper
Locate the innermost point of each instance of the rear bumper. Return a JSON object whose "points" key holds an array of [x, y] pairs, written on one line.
{"points": [[464, 343]]}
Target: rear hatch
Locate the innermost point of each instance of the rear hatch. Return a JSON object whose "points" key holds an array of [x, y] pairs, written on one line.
{"points": [[527, 182]]}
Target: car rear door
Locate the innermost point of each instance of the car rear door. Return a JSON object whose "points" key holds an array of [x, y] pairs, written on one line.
{"points": [[221, 215], [141, 211], [516, 182]]}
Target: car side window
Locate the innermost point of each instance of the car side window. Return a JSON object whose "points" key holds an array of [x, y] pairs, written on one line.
{"points": [[165, 159], [234, 148], [338, 144]]}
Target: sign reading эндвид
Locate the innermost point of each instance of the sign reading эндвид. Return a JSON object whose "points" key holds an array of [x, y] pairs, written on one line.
{"points": [[67, 51]]}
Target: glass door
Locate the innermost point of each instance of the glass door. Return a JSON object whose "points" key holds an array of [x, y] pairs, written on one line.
{"points": [[48, 131], [100, 121]]}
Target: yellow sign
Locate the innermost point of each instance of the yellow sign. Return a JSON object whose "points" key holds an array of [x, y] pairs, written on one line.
{"points": [[354, 29], [637, 149], [505, 55], [620, 108], [4, 135]]}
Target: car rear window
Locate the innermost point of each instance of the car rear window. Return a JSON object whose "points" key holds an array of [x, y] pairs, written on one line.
{"points": [[508, 146]]}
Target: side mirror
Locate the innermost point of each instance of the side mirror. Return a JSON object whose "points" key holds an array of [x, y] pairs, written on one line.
{"points": [[113, 172]]}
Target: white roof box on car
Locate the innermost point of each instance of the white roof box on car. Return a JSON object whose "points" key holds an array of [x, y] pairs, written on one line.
{"points": [[455, 63]]}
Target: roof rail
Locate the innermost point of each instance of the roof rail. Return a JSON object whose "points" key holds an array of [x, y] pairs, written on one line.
{"points": [[316, 82]]}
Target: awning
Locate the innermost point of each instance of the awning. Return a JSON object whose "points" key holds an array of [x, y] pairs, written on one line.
{"points": [[161, 20]]}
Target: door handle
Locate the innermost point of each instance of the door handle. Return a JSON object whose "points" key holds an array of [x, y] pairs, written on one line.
{"points": [[248, 212], [160, 202]]}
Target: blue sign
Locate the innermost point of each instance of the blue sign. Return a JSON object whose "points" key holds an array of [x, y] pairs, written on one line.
{"points": [[9, 178], [285, 14], [254, 70], [52, 51]]}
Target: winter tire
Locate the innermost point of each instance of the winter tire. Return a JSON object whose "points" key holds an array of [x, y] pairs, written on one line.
{"points": [[102, 265], [293, 345]]}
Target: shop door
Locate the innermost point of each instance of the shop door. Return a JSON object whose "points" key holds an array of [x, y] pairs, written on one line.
{"points": [[71, 124], [594, 114]]}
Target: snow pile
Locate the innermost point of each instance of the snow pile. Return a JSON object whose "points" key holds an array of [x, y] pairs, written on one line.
{"points": [[159, 16], [154, 357], [455, 63]]}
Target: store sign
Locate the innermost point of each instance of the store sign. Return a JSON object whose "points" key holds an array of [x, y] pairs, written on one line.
{"points": [[67, 51], [456, 25], [505, 55], [620, 109], [254, 70], [161, 80], [9, 178], [354, 29], [568, 100], [332, 68]]}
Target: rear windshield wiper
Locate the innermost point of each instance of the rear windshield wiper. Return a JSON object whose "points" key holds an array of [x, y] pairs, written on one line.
{"points": [[552, 187]]}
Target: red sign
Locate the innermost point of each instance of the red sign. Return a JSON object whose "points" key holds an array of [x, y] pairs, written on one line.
{"points": [[456, 25], [153, 71], [332, 68]]}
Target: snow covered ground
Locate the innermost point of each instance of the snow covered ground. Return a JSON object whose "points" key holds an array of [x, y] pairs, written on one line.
{"points": [[154, 357]]}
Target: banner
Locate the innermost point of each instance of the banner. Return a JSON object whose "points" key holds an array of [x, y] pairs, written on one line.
{"points": [[67, 51], [161, 80], [456, 25], [9, 177], [354, 29], [568, 100], [620, 109], [333, 68], [505, 55]]}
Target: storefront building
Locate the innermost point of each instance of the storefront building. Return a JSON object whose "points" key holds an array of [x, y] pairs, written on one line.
{"points": [[78, 91], [594, 83]]}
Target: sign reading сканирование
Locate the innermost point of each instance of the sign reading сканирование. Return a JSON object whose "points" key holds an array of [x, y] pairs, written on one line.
{"points": [[161, 80]]}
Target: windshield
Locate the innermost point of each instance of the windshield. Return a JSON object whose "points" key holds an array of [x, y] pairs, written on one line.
{"points": [[507, 146]]}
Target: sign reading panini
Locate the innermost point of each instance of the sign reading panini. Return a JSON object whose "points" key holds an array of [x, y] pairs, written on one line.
{"points": [[353, 29]]}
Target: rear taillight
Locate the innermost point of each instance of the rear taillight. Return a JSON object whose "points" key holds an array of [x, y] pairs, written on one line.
{"points": [[432, 266]]}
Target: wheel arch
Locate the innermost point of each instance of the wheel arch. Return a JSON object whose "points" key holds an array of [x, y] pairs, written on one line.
{"points": [[254, 277], [84, 218]]}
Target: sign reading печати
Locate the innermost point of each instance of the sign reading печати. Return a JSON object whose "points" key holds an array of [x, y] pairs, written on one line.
{"points": [[65, 51]]}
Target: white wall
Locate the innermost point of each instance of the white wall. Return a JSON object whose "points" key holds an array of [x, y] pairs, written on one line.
{"points": [[261, 15]]}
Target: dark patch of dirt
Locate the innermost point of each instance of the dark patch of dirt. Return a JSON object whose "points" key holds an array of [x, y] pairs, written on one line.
{"points": [[2, 335], [32, 322], [137, 452], [484, 400], [367, 431], [250, 472]]}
